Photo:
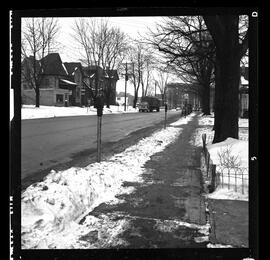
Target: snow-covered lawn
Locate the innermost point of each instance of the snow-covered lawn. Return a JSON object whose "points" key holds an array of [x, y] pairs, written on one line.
{"points": [[31, 112], [230, 158], [51, 209]]}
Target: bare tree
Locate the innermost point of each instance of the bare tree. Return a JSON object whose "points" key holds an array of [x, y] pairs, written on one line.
{"points": [[103, 46], [38, 39], [230, 35], [136, 56], [162, 80], [147, 71], [188, 50]]}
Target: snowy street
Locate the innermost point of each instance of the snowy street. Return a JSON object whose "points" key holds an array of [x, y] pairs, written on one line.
{"points": [[148, 195]]}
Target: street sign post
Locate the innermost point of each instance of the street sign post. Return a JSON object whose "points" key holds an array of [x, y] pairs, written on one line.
{"points": [[99, 105], [166, 108]]}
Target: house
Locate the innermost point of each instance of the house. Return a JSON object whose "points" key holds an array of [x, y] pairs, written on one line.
{"points": [[56, 86], [111, 78], [75, 74], [243, 93], [97, 81], [178, 94], [93, 83], [66, 83], [120, 99]]}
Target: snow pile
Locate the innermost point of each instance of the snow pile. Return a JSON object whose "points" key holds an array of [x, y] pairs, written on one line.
{"points": [[63, 198], [231, 160], [236, 152], [218, 246], [183, 120], [31, 112], [226, 194], [236, 148]]}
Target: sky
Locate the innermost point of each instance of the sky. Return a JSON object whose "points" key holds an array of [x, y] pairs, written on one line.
{"points": [[132, 26]]}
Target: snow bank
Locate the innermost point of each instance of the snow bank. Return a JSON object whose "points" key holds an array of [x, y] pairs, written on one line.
{"points": [[31, 112], [183, 120], [236, 148], [63, 198]]}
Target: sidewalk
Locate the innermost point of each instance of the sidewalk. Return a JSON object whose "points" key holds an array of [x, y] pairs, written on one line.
{"points": [[166, 210], [229, 222]]}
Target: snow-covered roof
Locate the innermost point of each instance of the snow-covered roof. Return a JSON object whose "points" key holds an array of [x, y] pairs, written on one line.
{"points": [[68, 82], [64, 68], [244, 81]]}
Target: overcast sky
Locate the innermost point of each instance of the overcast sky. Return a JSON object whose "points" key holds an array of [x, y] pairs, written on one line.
{"points": [[133, 26]]}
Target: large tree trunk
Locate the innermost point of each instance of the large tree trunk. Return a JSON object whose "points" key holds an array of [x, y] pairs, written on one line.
{"points": [[135, 99], [37, 96], [206, 99], [226, 97], [224, 30]]}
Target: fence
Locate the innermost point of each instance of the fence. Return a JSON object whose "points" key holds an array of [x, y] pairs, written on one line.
{"points": [[235, 178]]}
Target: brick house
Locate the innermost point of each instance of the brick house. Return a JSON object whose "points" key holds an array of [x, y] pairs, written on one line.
{"points": [[106, 79], [75, 74], [56, 86], [111, 78], [66, 83], [243, 93]]}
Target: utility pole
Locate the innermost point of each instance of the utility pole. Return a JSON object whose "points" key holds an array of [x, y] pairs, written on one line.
{"points": [[126, 79], [155, 88]]}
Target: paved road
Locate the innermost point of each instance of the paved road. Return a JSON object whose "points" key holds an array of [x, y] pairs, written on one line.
{"points": [[50, 141]]}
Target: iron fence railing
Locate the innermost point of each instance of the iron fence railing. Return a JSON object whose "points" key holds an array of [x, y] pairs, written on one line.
{"points": [[235, 178]]}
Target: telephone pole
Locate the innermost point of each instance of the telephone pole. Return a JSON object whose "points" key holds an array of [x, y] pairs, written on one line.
{"points": [[126, 79]]}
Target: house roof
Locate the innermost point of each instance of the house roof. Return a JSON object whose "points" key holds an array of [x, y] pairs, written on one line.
{"points": [[90, 71], [68, 82], [244, 72], [72, 66], [113, 74], [52, 65]]}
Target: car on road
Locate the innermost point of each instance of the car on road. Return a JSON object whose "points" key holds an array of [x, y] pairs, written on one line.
{"points": [[148, 104]]}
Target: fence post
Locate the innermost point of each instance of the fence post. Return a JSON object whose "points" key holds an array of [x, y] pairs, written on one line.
{"points": [[235, 178], [207, 163], [229, 179], [213, 179], [222, 182], [242, 181], [204, 144]]}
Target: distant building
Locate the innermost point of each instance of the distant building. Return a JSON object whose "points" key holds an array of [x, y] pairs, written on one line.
{"points": [[56, 87], [65, 83], [178, 94], [243, 93], [120, 99]]}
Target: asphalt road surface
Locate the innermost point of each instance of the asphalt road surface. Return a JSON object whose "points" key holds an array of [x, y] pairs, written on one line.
{"points": [[49, 141]]}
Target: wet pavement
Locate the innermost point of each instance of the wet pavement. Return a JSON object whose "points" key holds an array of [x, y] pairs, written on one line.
{"points": [[166, 210], [229, 219]]}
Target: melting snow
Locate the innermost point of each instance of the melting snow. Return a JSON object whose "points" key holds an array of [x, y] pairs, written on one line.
{"points": [[51, 209], [31, 112]]}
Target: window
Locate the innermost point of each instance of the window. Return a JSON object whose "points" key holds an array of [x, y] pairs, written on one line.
{"points": [[47, 82], [59, 98], [78, 93]]}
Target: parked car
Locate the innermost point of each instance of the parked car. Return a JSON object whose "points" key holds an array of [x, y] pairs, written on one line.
{"points": [[148, 104]]}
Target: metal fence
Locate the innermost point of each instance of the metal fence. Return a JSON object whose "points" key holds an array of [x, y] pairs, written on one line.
{"points": [[235, 178]]}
